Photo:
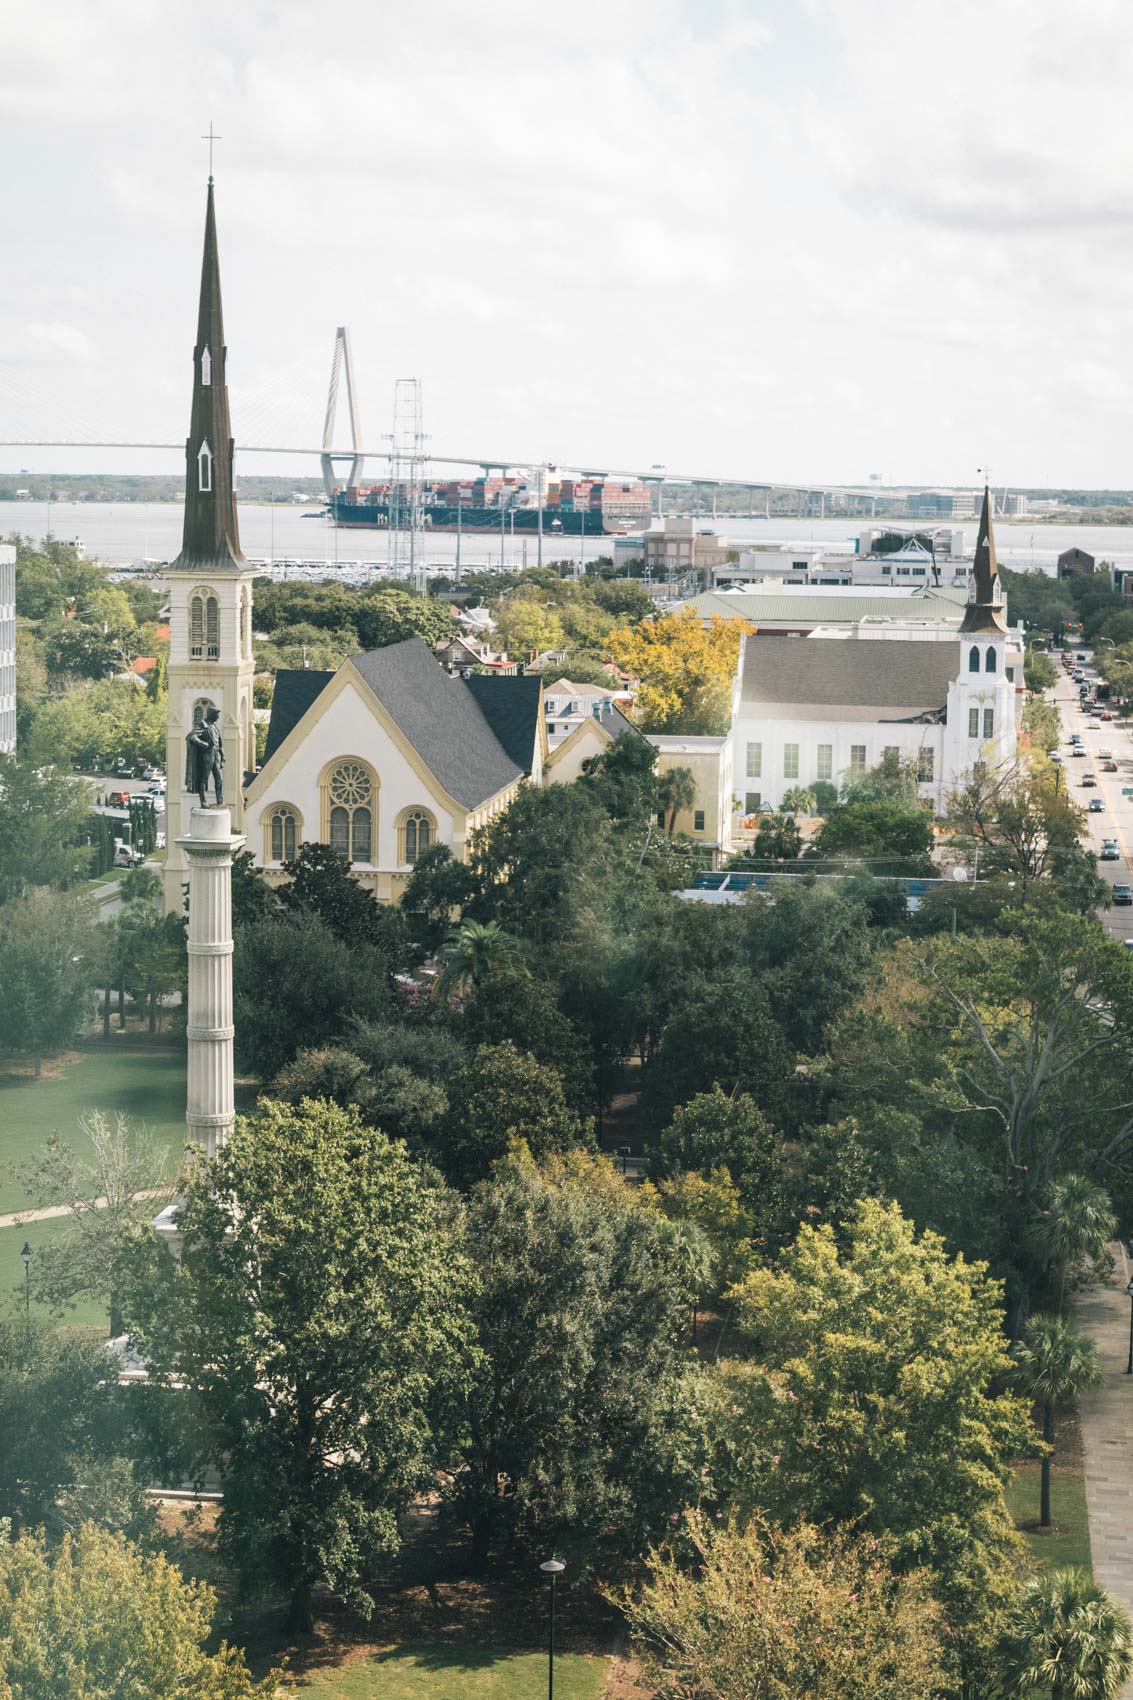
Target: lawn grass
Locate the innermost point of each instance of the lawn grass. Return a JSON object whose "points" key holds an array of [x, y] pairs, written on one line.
{"points": [[442, 1670], [148, 1085], [1069, 1540], [86, 1313]]}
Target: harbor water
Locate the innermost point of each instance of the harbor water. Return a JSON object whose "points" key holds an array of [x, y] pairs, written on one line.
{"points": [[285, 537]]}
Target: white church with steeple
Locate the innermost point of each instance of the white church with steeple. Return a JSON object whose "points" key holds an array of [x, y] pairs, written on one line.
{"points": [[942, 696]]}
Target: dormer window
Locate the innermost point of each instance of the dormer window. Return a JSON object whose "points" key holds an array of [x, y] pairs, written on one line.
{"points": [[204, 467], [206, 367]]}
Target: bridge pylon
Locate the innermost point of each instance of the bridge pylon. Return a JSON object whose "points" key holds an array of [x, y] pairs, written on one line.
{"points": [[341, 365]]}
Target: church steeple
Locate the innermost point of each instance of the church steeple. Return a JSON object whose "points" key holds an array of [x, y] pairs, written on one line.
{"points": [[211, 539], [984, 612]]}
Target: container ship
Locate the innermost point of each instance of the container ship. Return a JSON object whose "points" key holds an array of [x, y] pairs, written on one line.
{"points": [[594, 507]]}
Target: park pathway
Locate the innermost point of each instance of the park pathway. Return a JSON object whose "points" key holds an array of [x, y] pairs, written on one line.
{"points": [[1107, 1437]]}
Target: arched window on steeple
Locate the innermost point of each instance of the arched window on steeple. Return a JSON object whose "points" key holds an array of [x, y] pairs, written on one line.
{"points": [[206, 367], [204, 626], [974, 658], [989, 659], [204, 467]]}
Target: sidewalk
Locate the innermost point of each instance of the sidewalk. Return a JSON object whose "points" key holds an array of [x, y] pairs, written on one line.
{"points": [[1107, 1437]]}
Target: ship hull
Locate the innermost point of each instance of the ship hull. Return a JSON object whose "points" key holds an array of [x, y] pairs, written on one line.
{"points": [[557, 522]]}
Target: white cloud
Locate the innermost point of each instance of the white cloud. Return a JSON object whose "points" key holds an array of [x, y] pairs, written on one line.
{"points": [[753, 236]]}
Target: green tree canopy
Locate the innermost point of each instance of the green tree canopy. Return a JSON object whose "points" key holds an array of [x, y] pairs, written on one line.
{"points": [[874, 1403], [96, 1619], [43, 821], [49, 960], [578, 1309], [894, 835], [765, 1612], [499, 1096], [297, 985], [316, 1315]]}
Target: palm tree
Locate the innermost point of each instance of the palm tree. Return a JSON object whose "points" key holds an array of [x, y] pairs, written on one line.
{"points": [[474, 950], [1054, 1363], [676, 790], [800, 799], [1077, 1224], [1066, 1639], [696, 1260]]}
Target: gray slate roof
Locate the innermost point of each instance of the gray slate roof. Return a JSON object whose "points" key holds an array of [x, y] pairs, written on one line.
{"points": [[510, 705], [442, 719], [296, 688], [883, 679]]}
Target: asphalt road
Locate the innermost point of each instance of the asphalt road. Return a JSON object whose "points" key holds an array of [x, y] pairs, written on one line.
{"points": [[1116, 820]]}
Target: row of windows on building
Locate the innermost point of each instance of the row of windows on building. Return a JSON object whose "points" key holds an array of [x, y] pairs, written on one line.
{"points": [[8, 679], [989, 664], [8, 633], [350, 822], [824, 760], [974, 722]]}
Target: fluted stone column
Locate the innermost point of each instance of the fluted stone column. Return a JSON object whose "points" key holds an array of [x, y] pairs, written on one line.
{"points": [[209, 847]]}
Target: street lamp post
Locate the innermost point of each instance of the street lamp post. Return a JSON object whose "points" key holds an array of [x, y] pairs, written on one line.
{"points": [[25, 1255], [552, 1568], [1129, 1365]]}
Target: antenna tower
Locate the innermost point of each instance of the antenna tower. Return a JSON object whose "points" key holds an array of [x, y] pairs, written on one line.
{"points": [[342, 363], [406, 486]]}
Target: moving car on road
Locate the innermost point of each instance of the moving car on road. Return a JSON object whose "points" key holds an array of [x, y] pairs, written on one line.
{"points": [[1109, 767], [1109, 851], [1123, 894], [1087, 779], [1097, 807]]}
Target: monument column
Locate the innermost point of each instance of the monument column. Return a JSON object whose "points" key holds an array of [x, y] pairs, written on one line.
{"points": [[209, 847]]}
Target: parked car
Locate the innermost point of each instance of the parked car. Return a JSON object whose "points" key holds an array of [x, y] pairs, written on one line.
{"points": [[1123, 894], [156, 787], [1087, 779], [1097, 806], [118, 800], [1110, 852], [125, 856], [1106, 714]]}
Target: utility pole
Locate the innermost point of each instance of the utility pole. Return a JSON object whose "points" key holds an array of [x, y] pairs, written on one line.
{"points": [[540, 553]]}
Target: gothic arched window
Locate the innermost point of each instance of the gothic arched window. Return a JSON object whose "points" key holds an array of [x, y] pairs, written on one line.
{"points": [[974, 658], [416, 831], [204, 467], [204, 626], [282, 833], [989, 659], [206, 367], [350, 816]]}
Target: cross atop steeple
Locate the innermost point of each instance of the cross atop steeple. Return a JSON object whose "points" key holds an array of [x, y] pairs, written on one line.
{"points": [[210, 139], [211, 538], [984, 612]]}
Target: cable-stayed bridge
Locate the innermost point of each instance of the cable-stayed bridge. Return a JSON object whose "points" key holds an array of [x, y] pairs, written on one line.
{"points": [[28, 421]]}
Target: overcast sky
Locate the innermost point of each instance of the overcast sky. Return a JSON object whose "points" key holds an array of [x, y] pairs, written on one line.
{"points": [[810, 239]]}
